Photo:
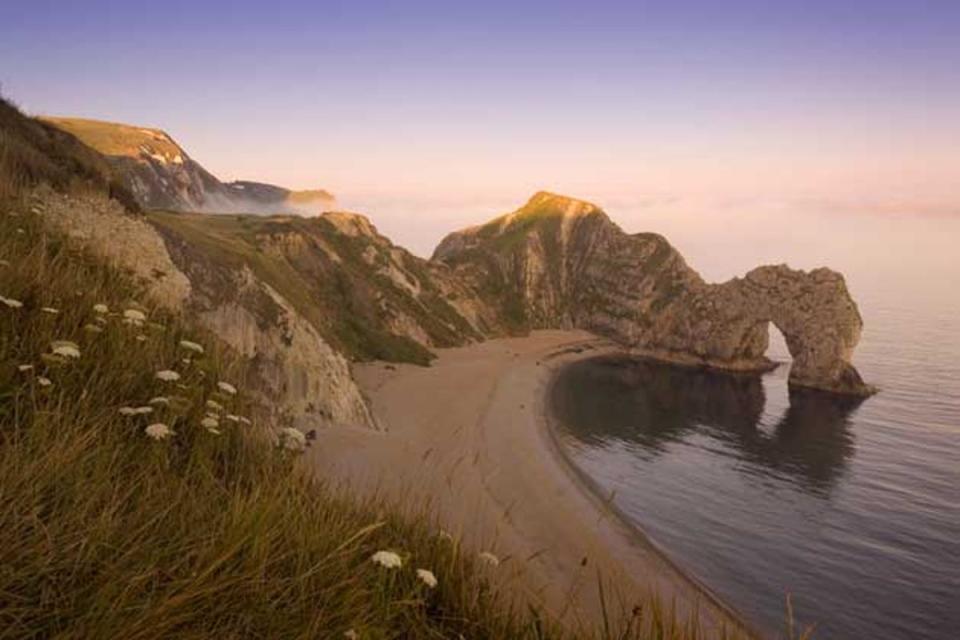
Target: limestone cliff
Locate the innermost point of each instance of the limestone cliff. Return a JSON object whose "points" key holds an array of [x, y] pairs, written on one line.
{"points": [[560, 262]]}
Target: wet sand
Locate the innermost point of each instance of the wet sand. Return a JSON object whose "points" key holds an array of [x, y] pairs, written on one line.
{"points": [[469, 437]]}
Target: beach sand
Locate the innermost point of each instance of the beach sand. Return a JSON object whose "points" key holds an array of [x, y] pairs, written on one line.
{"points": [[468, 438]]}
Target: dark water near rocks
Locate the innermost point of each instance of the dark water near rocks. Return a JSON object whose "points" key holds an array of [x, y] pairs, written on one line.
{"points": [[853, 508]]}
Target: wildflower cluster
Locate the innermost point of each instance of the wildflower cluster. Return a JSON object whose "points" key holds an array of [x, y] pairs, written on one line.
{"points": [[392, 560]]}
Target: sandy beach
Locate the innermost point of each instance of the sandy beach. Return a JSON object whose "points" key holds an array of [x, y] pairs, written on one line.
{"points": [[469, 436]]}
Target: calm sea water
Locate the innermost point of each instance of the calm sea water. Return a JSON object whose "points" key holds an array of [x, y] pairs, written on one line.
{"points": [[853, 508]]}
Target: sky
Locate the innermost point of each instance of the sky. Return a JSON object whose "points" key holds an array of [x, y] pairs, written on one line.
{"points": [[432, 115]]}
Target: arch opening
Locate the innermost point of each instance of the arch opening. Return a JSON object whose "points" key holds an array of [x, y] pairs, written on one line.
{"points": [[777, 348]]}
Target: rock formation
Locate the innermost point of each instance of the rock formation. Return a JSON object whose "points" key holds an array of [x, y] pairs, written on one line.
{"points": [[558, 262]]}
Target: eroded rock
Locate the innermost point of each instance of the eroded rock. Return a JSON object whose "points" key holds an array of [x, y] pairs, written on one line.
{"points": [[562, 263]]}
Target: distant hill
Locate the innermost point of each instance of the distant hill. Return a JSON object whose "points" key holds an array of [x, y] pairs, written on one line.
{"points": [[161, 175], [273, 199]]}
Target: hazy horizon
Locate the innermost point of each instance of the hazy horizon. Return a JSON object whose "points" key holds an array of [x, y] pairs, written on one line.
{"points": [[429, 117]]}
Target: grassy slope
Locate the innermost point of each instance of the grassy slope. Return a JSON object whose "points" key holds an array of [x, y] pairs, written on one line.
{"points": [[114, 139], [106, 533], [32, 151], [341, 299]]}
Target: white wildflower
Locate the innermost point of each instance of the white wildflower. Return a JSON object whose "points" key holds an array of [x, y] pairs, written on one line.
{"points": [[50, 310], [209, 422], [101, 309], [227, 388], [292, 439], [134, 315], [141, 338], [191, 346], [232, 418], [25, 367], [214, 405], [159, 431], [44, 382], [159, 400], [92, 328], [426, 577], [65, 349], [387, 559], [186, 361], [245, 421], [10, 302], [490, 559], [167, 375]]}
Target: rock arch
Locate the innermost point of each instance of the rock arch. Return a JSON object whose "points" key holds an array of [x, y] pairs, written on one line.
{"points": [[727, 326]]}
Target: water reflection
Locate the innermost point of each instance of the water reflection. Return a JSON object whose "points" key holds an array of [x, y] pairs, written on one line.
{"points": [[649, 405]]}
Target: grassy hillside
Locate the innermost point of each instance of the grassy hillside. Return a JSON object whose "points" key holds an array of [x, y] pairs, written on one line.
{"points": [[33, 152], [105, 532], [114, 139], [337, 281]]}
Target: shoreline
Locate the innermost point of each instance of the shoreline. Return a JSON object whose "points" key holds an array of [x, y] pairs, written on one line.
{"points": [[590, 487], [470, 439]]}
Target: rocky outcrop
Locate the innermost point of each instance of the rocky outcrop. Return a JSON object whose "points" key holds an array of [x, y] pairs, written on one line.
{"points": [[121, 239], [559, 262]]}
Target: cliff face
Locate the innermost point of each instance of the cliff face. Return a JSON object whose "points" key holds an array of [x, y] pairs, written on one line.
{"points": [[301, 376], [559, 262], [161, 175]]}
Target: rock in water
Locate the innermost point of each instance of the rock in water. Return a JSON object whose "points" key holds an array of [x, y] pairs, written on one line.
{"points": [[562, 263]]}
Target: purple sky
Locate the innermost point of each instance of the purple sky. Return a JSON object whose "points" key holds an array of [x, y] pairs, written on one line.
{"points": [[458, 109]]}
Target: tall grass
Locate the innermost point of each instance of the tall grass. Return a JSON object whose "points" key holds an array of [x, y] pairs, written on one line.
{"points": [[105, 532]]}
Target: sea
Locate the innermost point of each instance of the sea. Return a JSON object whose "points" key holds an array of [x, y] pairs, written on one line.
{"points": [[845, 512]]}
